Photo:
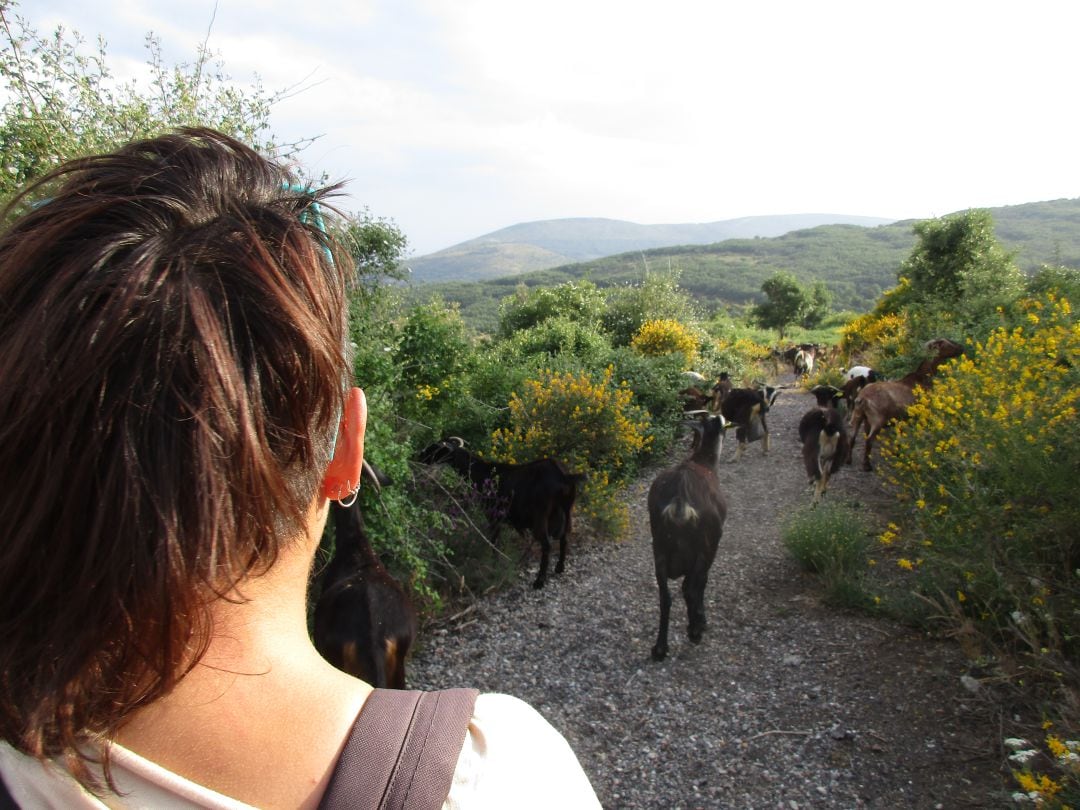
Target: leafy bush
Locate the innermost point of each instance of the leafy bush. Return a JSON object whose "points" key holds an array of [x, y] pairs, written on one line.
{"points": [[654, 381], [591, 425], [987, 462], [658, 296], [557, 336], [578, 301]]}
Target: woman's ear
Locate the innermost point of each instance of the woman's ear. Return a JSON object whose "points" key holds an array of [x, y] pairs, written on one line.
{"points": [[342, 476]]}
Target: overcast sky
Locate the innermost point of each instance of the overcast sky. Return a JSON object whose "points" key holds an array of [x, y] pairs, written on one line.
{"points": [[455, 118]]}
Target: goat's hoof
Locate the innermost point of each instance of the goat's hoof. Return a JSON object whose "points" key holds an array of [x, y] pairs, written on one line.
{"points": [[559, 568], [659, 653], [539, 583]]}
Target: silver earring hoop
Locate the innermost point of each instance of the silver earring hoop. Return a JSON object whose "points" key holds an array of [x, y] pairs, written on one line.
{"points": [[353, 495]]}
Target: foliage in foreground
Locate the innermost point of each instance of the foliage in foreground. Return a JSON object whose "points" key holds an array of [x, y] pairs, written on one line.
{"points": [[987, 462]]}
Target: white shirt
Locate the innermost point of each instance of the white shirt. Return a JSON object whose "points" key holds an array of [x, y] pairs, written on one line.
{"points": [[508, 746]]}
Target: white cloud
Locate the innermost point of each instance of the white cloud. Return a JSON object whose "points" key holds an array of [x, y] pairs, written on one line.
{"points": [[455, 118]]}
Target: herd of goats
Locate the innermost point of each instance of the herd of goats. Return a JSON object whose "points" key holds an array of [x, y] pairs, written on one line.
{"points": [[365, 624]]}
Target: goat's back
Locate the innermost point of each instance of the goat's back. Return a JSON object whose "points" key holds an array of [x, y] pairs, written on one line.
{"points": [[881, 402], [542, 484], [687, 511]]}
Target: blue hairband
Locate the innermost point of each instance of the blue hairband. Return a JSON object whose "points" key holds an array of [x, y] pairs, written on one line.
{"points": [[316, 213]]}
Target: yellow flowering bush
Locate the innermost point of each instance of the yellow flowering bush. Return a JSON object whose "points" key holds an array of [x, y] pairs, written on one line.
{"points": [[987, 462], [886, 334], [665, 336], [591, 425]]}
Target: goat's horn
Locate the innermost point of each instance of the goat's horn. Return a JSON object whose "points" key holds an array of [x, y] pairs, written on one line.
{"points": [[371, 475], [456, 440]]}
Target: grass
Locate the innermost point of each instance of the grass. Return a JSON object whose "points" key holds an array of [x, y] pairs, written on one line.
{"points": [[831, 540]]}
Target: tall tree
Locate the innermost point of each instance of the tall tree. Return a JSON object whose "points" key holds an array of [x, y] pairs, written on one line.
{"points": [[958, 267]]}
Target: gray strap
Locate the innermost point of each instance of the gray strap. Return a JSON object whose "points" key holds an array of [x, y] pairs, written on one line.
{"points": [[402, 751]]}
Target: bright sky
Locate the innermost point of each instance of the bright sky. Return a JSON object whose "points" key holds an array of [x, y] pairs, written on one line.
{"points": [[455, 118]]}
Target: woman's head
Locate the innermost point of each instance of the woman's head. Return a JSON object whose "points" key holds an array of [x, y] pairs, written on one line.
{"points": [[172, 370]]}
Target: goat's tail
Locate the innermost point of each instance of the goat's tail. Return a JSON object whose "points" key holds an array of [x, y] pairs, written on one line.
{"points": [[680, 511]]}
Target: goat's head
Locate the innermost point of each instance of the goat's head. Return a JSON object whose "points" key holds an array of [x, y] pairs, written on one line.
{"points": [[374, 476], [826, 395], [943, 348], [439, 452]]}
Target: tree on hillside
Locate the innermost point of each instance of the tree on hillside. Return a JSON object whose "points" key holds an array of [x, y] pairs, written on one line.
{"points": [[958, 267], [62, 102], [818, 305], [786, 303]]}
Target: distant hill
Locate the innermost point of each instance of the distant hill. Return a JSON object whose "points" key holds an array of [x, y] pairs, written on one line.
{"points": [[549, 243], [857, 263]]}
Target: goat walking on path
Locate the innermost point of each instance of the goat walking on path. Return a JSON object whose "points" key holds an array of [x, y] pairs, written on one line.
{"points": [[539, 496], [686, 516], [825, 444]]}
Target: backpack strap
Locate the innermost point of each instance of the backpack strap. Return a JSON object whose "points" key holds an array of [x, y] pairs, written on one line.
{"points": [[402, 751]]}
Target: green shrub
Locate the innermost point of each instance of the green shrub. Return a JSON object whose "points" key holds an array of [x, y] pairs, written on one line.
{"points": [[832, 541]]}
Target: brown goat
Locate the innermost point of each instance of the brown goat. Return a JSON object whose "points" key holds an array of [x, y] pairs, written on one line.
{"points": [[880, 403], [686, 517]]}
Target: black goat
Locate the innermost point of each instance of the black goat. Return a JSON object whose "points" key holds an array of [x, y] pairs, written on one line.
{"points": [[686, 516], [364, 623], [746, 408], [538, 496], [825, 443]]}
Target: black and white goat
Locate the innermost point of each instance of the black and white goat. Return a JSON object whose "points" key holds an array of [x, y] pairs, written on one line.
{"points": [[364, 622], [823, 434], [538, 496], [746, 409], [686, 517]]}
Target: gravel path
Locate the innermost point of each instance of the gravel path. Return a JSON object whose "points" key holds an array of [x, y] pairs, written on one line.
{"points": [[784, 704]]}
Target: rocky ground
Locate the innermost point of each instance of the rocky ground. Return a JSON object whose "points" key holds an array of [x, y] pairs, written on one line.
{"points": [[786, 703]]}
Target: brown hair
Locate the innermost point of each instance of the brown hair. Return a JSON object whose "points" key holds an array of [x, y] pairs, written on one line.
{"points": [[172, 368]]}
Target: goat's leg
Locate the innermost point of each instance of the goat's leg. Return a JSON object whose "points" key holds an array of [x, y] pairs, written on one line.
{"points": [[765, 438], [660, 649], [564, 535], [540, 532], [867, 444], [693, 588]]}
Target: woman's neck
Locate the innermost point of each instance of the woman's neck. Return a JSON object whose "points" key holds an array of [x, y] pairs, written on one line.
{"points": [[262, 717]]}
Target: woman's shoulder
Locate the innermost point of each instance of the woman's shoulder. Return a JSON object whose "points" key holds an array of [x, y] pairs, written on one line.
{"points": [[513, 757]]}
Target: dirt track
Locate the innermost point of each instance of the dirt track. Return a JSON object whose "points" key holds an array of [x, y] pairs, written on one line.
{"points": [[785, 703]]}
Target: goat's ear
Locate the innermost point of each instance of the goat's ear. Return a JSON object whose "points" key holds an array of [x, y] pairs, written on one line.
{"points": [[343, 473]]}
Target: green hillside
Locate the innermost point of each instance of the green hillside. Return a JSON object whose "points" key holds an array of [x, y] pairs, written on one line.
{"points": [[856, 263]]}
